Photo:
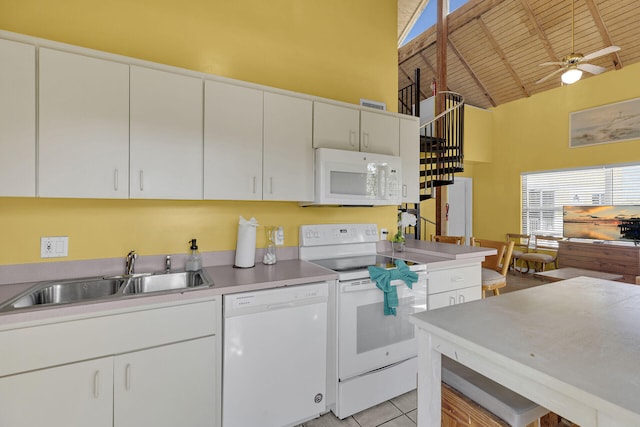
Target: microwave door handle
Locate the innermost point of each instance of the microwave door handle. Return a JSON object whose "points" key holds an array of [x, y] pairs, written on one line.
{"points": [[383, 182]]}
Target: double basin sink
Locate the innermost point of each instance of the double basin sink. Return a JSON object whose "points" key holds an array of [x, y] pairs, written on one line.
{"points": [[78, 290]]}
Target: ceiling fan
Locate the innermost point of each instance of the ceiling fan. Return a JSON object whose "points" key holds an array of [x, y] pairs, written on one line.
{"points": [[574, 64]]}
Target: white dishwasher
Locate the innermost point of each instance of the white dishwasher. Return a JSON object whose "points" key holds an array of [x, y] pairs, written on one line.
{"points": [[275, 356]]}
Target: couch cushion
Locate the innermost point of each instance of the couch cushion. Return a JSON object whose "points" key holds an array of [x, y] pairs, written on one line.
{"points": [[495, 398]]}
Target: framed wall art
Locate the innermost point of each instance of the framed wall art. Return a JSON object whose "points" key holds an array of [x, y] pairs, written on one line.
{"points": [[608, 123]]}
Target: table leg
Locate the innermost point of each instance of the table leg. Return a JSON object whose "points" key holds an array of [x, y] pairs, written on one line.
{"points": [[429, 382]]}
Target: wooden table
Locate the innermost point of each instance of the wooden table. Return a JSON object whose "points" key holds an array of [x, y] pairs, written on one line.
{"points": [[571, 272], [572, 347]]}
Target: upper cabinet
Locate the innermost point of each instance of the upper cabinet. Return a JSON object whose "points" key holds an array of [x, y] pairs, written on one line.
{"points": [[379, 133], [17, 119], [287, 149], [346, 128], [410, 157], [232, 142], [335, 126], [83, 126], [166, 135]]}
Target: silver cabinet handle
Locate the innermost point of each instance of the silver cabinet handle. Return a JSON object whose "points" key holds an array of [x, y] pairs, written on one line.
{"points": [[255, 180], [127, 377], [452, 300], [270, 185], [461, 299], [115, 179], [365, 139], [141, 180], [96, 384]]}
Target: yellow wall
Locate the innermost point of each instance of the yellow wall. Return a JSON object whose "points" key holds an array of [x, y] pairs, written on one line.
{"points": [[532, 134], [336, 49]]}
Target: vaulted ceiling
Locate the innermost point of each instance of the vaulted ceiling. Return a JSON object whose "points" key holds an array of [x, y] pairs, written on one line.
{"points": [[495, 47]]}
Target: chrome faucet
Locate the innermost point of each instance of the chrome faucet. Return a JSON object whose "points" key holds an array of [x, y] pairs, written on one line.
{"points": [[167, 264], [130, 263]]}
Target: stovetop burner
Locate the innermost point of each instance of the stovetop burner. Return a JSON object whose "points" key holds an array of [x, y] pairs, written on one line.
{"points": [[355, 263]]}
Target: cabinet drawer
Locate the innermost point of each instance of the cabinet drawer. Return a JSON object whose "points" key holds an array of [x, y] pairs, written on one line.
{"points": [[454, 278]]}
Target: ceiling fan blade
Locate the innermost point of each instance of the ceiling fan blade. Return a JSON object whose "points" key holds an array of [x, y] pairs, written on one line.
{"points": [[601, 52], [551, 63], [590, 68], [548, 76]]}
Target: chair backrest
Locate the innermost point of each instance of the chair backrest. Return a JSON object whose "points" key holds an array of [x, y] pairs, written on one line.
{"points": [[521, 241], [499, 262], [456, 240], [546, 243]]}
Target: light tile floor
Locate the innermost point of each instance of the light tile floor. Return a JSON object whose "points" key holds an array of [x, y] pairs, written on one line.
{"points": [[401, 411]]}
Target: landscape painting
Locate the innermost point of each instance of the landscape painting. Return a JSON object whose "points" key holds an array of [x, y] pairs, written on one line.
{"points": [[600, 222], [609, 123]]}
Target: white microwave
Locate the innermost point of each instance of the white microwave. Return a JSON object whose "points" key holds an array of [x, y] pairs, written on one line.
{"points": [[354, 178]]}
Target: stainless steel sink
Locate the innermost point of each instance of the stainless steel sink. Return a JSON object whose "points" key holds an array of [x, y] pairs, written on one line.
{"points": [[166, 282], [95, 288], [68, 291]]}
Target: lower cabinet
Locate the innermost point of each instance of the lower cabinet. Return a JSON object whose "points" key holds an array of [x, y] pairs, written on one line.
{"points": [[157, 367], [454, 285], [168, 386], [75, 395]]}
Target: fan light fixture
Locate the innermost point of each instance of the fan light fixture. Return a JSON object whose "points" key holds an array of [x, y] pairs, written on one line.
{"points": [[571, 76]]}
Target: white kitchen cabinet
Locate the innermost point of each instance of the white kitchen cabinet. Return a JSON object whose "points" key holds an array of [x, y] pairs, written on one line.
{"points": [[83, 123], [379, 133], [166, 386], [166, 135], [75, 395], [17, 119], [410, 158], [335, 126], [287, 148], [232, 142], [454, 285]]}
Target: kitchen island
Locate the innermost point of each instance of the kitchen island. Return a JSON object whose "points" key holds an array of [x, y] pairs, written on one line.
{"points": [[571, 346]]}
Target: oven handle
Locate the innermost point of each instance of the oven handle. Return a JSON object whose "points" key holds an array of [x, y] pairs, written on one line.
{"points": [[359, 286]]}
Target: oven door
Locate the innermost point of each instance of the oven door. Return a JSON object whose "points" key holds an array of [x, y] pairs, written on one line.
{"points": [[367, 339]]}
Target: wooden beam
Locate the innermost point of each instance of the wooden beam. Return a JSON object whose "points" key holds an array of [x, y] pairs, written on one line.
{"points": [[474, 76], [502, 56], [541, 35], [412, 20], [604, 32]]}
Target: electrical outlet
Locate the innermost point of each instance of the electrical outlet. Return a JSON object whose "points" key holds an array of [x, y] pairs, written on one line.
{"points": [[384, 234], [54, 247]]}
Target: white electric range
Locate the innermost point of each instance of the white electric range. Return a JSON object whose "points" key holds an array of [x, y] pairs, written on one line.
{"points": [[372, 357]]}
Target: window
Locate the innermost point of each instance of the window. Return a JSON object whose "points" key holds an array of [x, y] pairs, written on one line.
{"points": [[545, 193]]}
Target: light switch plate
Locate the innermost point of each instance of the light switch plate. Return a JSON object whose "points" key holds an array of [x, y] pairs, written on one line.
{"points": [[54, 247], [279, 236]]}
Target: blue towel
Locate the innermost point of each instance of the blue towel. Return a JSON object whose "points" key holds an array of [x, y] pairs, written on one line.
{"points": [[383, 278]]}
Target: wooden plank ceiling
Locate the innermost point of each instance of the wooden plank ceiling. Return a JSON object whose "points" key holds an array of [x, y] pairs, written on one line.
{"points": [[495, 46]]}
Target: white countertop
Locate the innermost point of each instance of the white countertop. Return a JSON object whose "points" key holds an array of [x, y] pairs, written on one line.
{"points": [[571, 346]]}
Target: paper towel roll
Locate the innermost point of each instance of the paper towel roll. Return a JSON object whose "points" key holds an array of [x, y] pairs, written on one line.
{"points": [[246, 245]]}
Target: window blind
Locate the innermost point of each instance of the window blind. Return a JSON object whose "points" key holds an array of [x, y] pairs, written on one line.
{"points": [[545, 193]]}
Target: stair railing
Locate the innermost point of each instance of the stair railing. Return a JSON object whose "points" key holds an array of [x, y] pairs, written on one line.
{"points": [[441, 146]]}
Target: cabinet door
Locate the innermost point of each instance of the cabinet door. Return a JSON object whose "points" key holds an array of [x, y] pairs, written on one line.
{"points": [[166, 135], [17, 119], [469, 294], [232, 142], [442, 299], [172, 385], [379, 133], [336, 127], [287, 149], [83, 126], [410, 157], [74, 395]]}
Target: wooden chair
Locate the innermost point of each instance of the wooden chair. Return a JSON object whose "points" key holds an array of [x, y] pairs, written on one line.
{"points": [[543, 250], [456, 240], [521, 246], [494, 267]]}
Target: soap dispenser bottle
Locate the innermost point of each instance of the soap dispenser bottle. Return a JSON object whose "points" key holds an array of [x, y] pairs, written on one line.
{"points": [[194, 261]]}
